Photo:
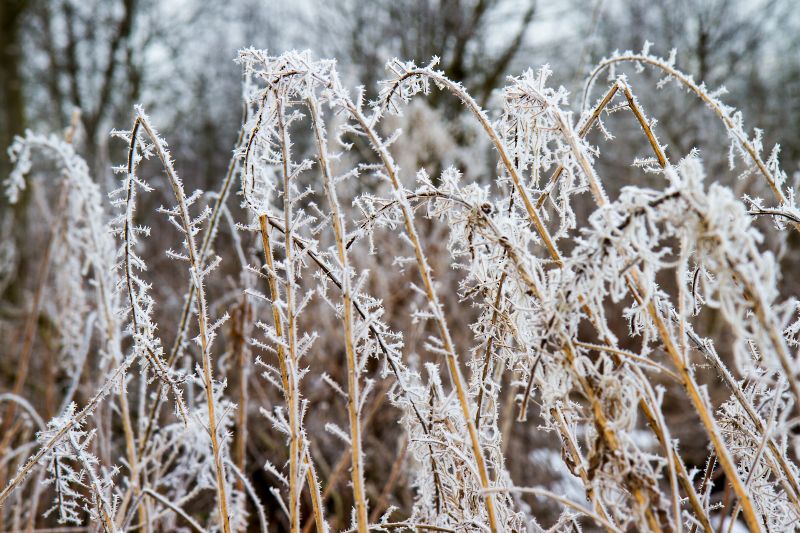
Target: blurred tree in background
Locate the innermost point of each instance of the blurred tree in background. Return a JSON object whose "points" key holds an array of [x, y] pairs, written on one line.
{"points": [[177, 58]]}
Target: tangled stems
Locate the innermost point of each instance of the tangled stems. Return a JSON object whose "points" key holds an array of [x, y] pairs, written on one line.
{"points": [[531, 324], [712, 102], [599, 197], [433, 299]]}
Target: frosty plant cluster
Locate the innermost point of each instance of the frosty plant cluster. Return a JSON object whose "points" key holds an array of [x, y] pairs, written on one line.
{"points": [[548, 285]]}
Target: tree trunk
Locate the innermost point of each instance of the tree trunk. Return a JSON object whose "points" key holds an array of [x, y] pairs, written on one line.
{"points": [[12, 110]]}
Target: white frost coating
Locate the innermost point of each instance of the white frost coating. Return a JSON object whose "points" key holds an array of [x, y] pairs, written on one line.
{"points": [[583, 323]]}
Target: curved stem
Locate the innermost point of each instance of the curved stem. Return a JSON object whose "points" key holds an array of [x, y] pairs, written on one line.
{"points": [[480, 115], [714, 104], [180, 512], [560, 499]]}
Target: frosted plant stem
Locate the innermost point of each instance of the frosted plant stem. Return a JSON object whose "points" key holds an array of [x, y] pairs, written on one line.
{"points": [[317, 506], [130, 449], [338, 471], [327, 270], [768, 323], [262, 519], [633, 105], [663, 162], [785, 472], [487, 355], [606, 430], [662, 430], [353, 396], [601, 199], [127, 263], [578, 460], [288, 386], [197, 274], [208, 241], [690, 385], [582, 132], [88, 409], [295, 443], [701, 405], [609, 435], [180, 512], [266, 223], [762, 443], [636, 109], [242, 359], [569, 351], [687, 379], [103, 509], [698, 400], [528, 280], [289, 395], [32, 319]]}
